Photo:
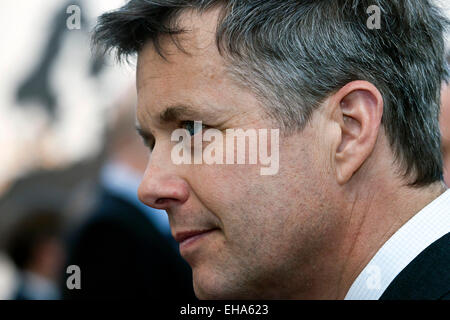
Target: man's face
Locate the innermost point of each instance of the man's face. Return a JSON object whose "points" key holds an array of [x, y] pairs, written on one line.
{"points": [[264, 229]]}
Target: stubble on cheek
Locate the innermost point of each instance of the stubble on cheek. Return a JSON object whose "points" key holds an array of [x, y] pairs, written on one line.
{"points": [[266, 230], [234, 258]]}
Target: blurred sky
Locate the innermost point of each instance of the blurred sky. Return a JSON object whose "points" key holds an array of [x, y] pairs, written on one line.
{"points": [[30, 136]]}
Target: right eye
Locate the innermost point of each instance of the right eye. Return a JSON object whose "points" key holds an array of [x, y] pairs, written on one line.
{"points": [[191, 127], [151, 144], [149, 141], [147, 138]]}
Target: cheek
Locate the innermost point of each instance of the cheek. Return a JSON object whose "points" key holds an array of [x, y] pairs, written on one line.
{"points": [[225, 190], [255, 209], [445, 114], [238, 196]]}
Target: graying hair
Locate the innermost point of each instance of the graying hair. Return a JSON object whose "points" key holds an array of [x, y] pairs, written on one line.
{"points": [[295, 53]]}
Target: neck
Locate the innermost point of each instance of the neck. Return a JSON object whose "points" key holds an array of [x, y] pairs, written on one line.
{"points": [[367, 220], [374, 219]]}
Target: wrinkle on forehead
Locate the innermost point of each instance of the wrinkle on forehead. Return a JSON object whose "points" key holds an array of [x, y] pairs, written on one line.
{"points": [[182, 76], [199, 39], [198, 77]]}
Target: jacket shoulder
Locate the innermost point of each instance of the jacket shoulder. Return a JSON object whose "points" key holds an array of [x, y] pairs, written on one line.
{"points": [[427, 277]]}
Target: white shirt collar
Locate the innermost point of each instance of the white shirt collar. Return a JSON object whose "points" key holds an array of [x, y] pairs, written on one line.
{"points": [[427, 226]]}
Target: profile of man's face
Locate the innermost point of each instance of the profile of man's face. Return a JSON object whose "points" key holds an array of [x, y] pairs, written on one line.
{"points": [[263, 228]]}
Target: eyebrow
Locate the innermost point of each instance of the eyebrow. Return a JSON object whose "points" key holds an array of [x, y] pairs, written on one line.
{"points": [[180, 112], [175, 113]]}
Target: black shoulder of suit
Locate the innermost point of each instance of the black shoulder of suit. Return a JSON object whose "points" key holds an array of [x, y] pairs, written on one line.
{"points": [[427, 277], [122, 255]]}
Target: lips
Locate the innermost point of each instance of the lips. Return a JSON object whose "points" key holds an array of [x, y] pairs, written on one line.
{"points": [[183, 236]]}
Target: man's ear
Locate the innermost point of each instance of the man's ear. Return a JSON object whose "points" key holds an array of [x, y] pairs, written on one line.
{"points": [[358, 109]]}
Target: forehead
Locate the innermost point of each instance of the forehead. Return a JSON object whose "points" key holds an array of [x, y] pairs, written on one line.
{"points": [[197, 77], [198, 43], [188, 75]]}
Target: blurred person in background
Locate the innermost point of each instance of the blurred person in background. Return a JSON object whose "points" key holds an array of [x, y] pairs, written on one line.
{"points": [[124, 250], [445, 127], [48, 159], [37, 249], [7, 277]]}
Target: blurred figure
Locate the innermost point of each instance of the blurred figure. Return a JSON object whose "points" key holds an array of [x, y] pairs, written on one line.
{"points": [[7, 277], [445, 127], [37, 250], [125, 249]]}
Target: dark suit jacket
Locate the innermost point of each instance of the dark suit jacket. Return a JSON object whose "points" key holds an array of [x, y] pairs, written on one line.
{"points": [[121, 255], [427, 277]]}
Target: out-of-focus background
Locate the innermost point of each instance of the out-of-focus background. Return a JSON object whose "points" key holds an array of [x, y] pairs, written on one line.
{"points": [[70, 162]]}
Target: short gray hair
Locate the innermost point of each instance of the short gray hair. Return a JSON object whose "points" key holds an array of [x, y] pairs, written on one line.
{"points": [[295, 53]]}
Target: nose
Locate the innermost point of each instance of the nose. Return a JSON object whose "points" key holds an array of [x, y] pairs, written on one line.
{"points": [[161, 189]]}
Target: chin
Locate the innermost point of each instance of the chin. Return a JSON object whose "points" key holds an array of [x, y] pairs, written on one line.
{"points": [[211, 285], [217, 294], [208, 287], [216, 285]]}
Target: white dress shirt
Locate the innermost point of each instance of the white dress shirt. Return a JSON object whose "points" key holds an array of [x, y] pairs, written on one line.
{"points": [[427, 226]]}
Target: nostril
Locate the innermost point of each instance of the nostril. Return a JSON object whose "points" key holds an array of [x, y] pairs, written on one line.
{"points": [[163, 191], [162, 201]]}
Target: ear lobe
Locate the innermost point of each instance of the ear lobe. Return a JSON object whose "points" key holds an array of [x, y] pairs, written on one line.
{"points": [[360, 109]]}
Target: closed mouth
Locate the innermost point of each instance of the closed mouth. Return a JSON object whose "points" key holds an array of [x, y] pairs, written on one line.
{"points": [[184, 236]]}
